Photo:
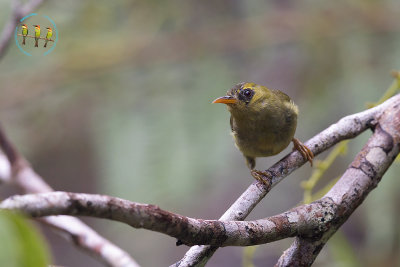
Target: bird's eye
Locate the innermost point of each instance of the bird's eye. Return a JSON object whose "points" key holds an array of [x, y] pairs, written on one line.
{"points": [[247, 92], [246, 95]]}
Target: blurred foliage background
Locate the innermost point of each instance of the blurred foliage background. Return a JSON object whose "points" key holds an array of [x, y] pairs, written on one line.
{"points": [[122, 106]]}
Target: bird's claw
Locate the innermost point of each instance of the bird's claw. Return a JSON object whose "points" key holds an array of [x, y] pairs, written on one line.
{"points": [[262, 177], [304, 150]]}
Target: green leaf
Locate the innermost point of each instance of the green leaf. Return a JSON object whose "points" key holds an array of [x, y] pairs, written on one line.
{"points": [[20, 243]]}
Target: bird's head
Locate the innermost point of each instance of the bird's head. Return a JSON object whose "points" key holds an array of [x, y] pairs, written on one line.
{"points": [[245, 97], [37, 27], [24, 26], [49, 29]]}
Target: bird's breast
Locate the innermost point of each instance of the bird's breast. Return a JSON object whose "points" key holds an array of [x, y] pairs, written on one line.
{"points": [[264, 135]]}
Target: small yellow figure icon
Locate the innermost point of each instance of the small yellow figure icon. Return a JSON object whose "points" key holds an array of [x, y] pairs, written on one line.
{"points": [[48, 36], [37, 35], [24, 33]]}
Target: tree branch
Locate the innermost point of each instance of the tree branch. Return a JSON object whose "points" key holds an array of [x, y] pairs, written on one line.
{"points": [[346, 128], [31, 36], [14, 169], [18, 12], [304, 220], [363, 175]]}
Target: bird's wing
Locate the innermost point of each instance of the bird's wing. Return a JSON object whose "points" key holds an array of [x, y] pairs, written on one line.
{"points": [[281, 95], [288, 102]]}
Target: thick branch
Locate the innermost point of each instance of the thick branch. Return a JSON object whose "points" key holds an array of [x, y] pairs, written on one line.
{"points": [[19, 11], [21, 174], [304, 220], [346, 128], [363, 175]]}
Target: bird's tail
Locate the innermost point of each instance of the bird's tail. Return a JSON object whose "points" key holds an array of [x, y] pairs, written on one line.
{"points": [[45, 43], [37, 42], [23, 40]]}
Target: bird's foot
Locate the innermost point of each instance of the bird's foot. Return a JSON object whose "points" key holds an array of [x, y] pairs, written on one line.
{"points": [[304, 150], [262, 177]]}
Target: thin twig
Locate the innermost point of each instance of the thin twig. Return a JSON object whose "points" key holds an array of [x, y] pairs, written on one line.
{"points": [[320, 169], [31, 36], [23, 176], [391, 91]]}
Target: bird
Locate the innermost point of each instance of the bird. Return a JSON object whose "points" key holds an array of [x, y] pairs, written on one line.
{"points": [[48, 36], [263, 123], [24, 33], [37, 35]]}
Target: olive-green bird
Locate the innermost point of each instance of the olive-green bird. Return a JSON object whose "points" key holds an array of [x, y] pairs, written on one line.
{"points": [[37, 35], [263, 123], [48, 36], [24, 33]]}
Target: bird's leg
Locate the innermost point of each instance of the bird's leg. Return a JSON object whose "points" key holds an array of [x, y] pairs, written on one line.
{"points": [[262, 177], [304, 150], [250, 162]]}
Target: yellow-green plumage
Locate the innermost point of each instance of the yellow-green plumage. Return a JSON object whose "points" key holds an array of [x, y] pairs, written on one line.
{"points": [[264, 124], [48, 36], [37, 35], [24, 34]]}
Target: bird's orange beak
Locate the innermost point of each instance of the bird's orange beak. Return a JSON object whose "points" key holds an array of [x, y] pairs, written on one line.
{"points": [[225, 100]]}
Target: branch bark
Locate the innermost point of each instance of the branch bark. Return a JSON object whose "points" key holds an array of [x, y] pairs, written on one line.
{"points": [[346, 128], [14, 169], [362, 176], [303, 220]]}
